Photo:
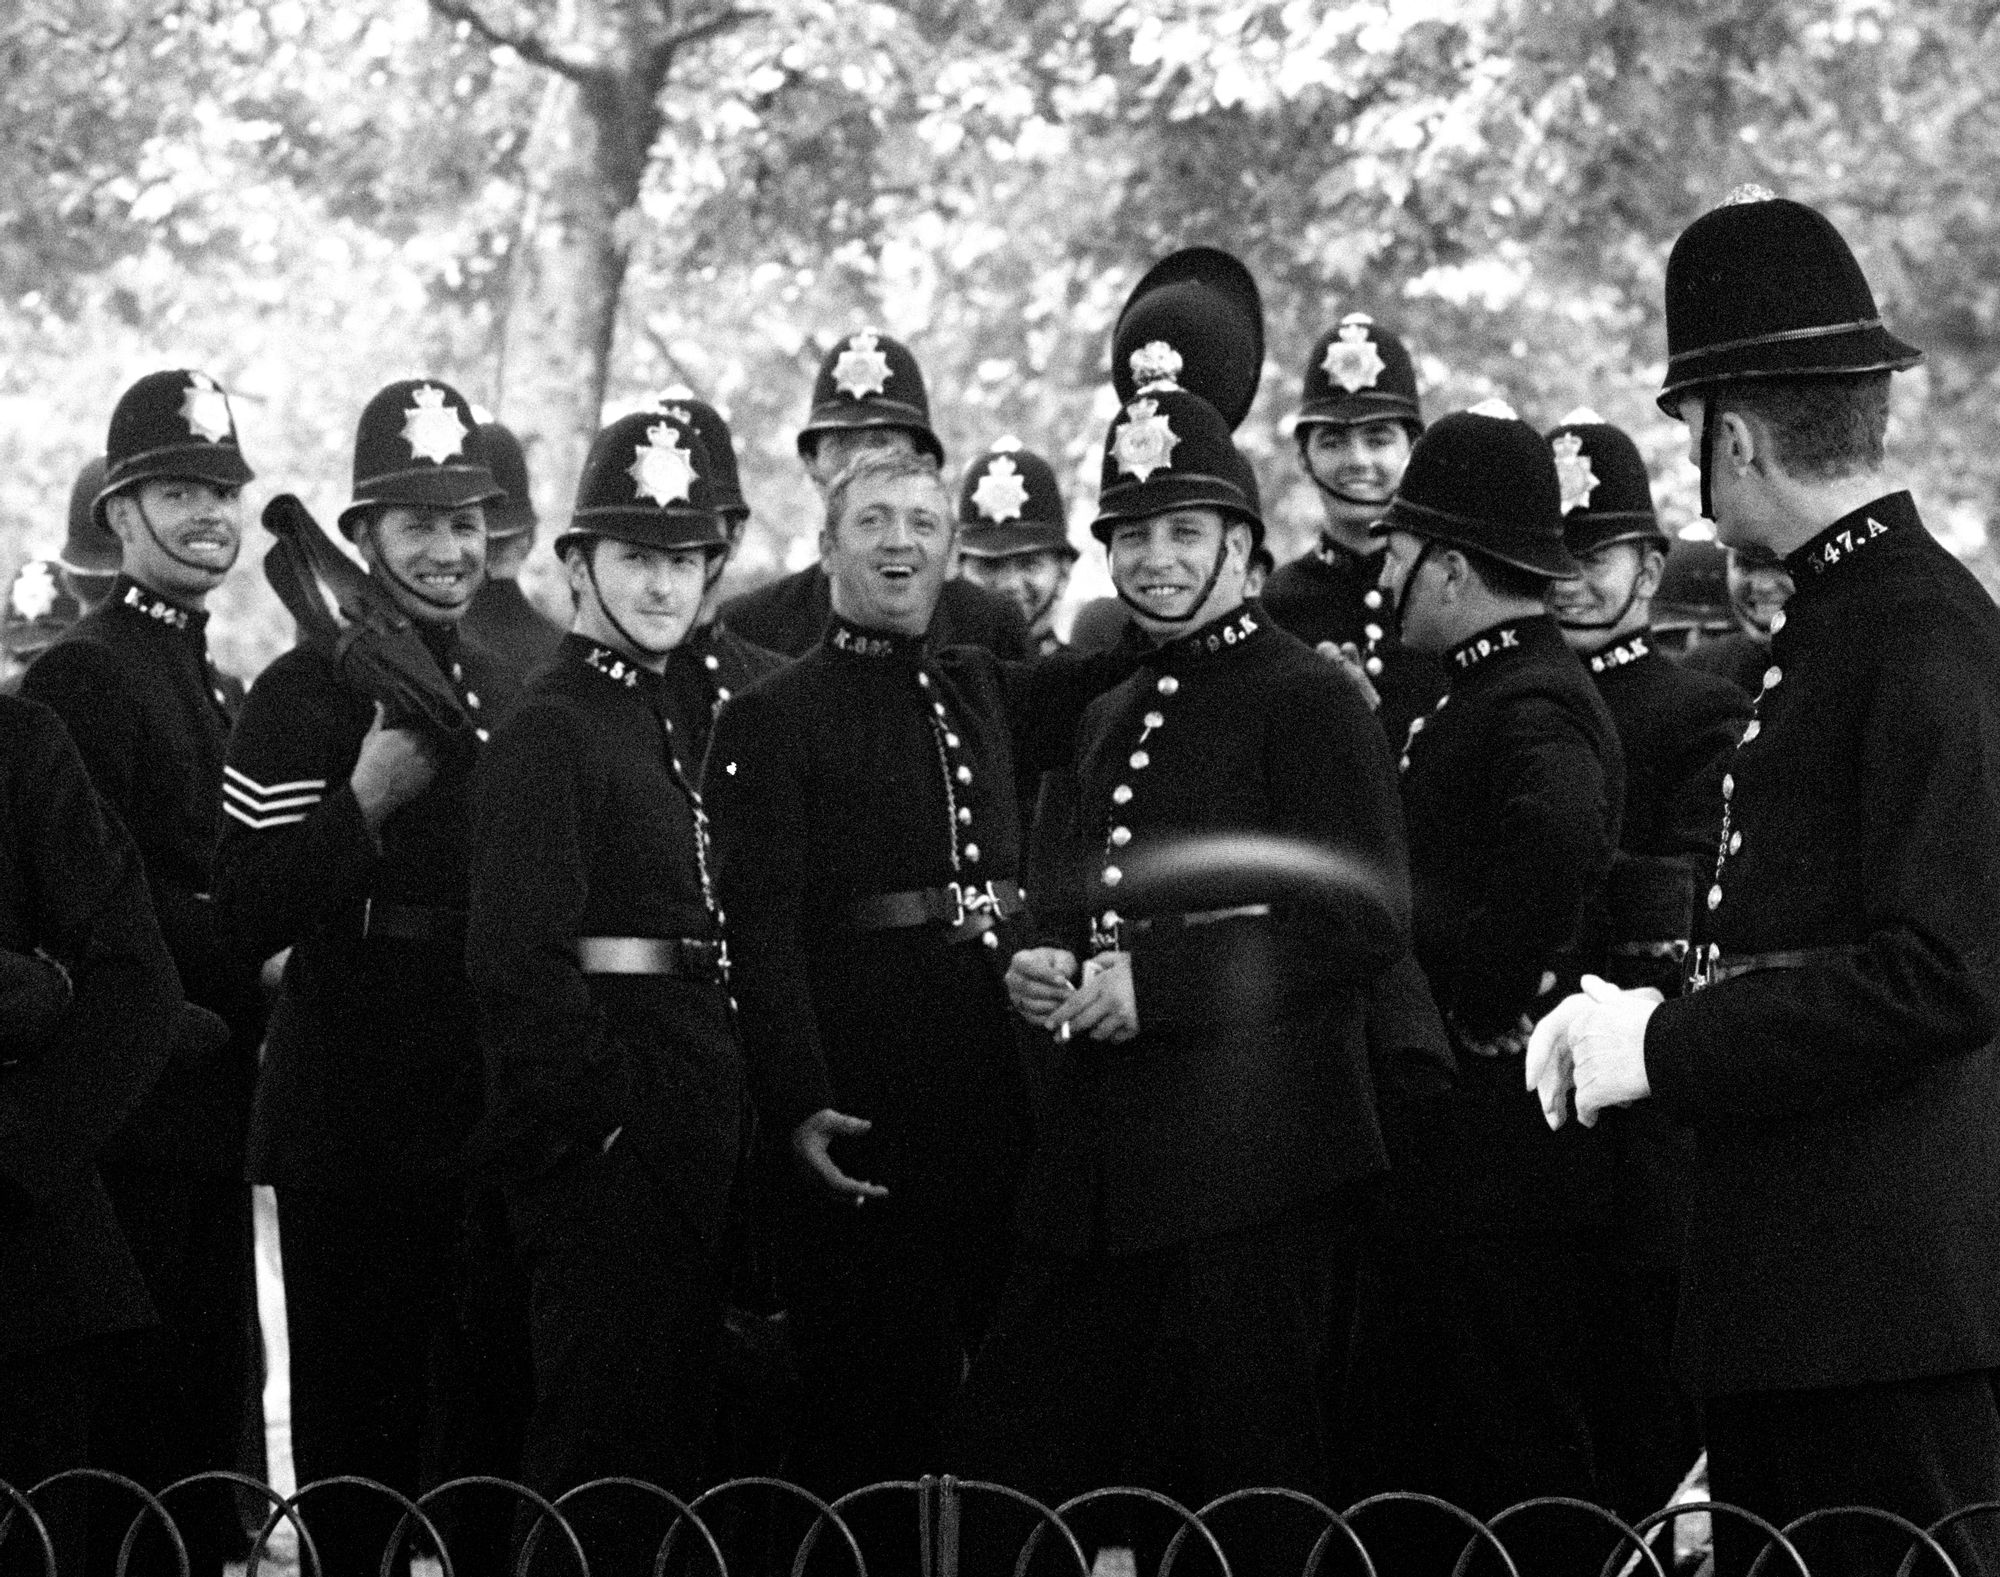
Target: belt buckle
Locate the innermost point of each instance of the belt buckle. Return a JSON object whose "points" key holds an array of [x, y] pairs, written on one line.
{"points": [[1702, 972], [969, 900]]}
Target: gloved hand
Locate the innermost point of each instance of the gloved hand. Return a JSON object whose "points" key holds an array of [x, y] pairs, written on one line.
{"points": [[1592, 1044]]}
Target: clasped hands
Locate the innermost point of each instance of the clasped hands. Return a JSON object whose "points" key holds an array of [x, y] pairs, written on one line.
{"points": [[1592, 1044], [1102, 1007]]}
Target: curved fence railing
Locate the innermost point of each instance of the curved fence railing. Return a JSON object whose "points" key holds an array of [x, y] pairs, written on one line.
{"points": [[933, 1526]]}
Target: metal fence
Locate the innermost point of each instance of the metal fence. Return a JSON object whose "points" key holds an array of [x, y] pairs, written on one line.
{"points": [[934, 1517]]}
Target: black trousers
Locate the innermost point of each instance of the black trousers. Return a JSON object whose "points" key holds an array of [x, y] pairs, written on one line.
{"points": [[1191, 1370], [44, 1430], [170, 1400], [625, 1318], [1920, 1448], [368, 1304]]}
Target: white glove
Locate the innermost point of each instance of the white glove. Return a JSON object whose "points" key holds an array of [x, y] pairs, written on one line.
{"points": [[1593, 1043]]}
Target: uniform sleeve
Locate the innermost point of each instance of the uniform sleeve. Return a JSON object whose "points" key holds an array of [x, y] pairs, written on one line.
{"points": [[1329, 782], [1923, 985], [757, 798], [1550, 848], [88, 907], [551, 1061], [295, 849]]}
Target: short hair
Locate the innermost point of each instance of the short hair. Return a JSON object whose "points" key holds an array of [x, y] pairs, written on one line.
{"points": [[881, 465], [1821, 429], [1506, 580]]}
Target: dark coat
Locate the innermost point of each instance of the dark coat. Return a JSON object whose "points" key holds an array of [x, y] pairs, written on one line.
{"points": [[585, 824], [1227, 1109], [72, 884], [1847, 1213], [791, 614], [371, 1078], [703, 673], [513, 629], [1736, 656], [835, 780], [151, 714], [1324, 596]]}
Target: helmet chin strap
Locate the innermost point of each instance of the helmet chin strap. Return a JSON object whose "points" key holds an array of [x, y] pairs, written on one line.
{"points": [[442, 604], [1616, 619], [1409, 580], [1707, 462], [160, 542], [1201, 598], [603, 607]]}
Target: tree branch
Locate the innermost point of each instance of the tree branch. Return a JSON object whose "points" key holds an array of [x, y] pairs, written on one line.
{"points": [[715, 26], [527, 43]]}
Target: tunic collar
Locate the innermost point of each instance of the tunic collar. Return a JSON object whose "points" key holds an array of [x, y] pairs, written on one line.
{"points": [[1239, 630], [1832, 552], [1338, 556], [1510, 638], [128, 594], [1620, 654], [608, 665], [852, 640]]}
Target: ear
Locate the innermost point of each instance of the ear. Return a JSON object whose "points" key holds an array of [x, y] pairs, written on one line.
{"points": [[1736, 442], [1457, 574], [1238, 535], [1652, 565], [576, 565], [121, 513]]}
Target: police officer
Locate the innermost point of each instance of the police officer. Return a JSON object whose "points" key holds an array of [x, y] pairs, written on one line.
{"points": [[597, 961], [150, 714], [90, 552], [40, 608], [1358, 415], [1013, 535], [347, 842], [1197, 1142], [501, 618], [868, 854], [87, 1005], [1691, 608], [1676, 726], [712, 662], [1512, 786], [1837, 1064], [869, 395], [1759, 586]]}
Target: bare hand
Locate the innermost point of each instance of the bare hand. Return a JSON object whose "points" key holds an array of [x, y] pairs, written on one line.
{"points": [[811, 1140], [394, 767], [1346, 656], [1038, 981], [1104, 1006]]}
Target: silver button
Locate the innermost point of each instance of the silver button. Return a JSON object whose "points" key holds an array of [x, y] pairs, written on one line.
{"points": [[457, 672], [1121, 795], [1715, 896], [924, 679], [1372, 598], [483, 735], [1113, 876], [1374, 666], [1772, 675], [1777, 621], [965, 815], [1120, 836], [711, 662], [1111, 917], [988, 939], [1728, 786], [938, 707], [951, 740], [972, 853], [221, 697], [472, 700], [722, 692], [964, 774], [1372, 631], [1168, 684], [1156, 720], [1417, 726], [1140, 760], [1735, 841], [1752, 731]]}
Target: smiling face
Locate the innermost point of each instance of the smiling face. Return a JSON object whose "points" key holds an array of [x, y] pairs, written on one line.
{"points": [[432, 560], [639, 601], [178, 536], [1358, 466], [888, 554], [1614, 594], [1162, 567], [1034, 579]]}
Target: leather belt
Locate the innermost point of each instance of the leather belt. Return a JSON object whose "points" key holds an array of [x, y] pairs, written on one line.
{"points": [[1711, 968], [1675, 950], [701, 959], [409, 922], [1194, 919], [962, 908]]}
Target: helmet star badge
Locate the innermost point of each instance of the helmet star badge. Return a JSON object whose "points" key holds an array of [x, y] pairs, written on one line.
{"points": [[1573, 471], [34, 593], [1146, 442], [433, 430], [661, 469], [205, 408], [1156, 365], [862, 369], [1351, 360], [1001, 493]]}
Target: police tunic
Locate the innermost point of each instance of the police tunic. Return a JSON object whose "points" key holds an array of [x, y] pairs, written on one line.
{"points": [[1737, 656], [1330, 594], [1846, 1097], [703, 674], [150, 714], [502, 620], [790, 615]]}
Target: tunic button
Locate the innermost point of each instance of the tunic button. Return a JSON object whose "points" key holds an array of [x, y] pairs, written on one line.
{"points": [[1120, 836], [1372, 631], [1121, 795], [1777, 621], [1715, 896], [1417, 726], [722, 692], [988, 939], [924, 680], [1772, 675], [711, 662], [483, 735], [951, 740], [965, 774], [1372, 598], [1168, 684], [1140, 760], [1728, 786], [972, 853], [1113, 876], [1374, 666], [1752, 731], [457, 672], [1110, 917], [1403, 765], [471, 700], [1156, 720], [221, 699], [965, 815], [938, 707], [1735, 841]]}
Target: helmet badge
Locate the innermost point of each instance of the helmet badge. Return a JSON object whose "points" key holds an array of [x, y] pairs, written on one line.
{"points": [[1001, 493], [661, 469], [862, 369], [205, 408], [1574, 472], [1351, 359], [433, 430], [1146, 442]]}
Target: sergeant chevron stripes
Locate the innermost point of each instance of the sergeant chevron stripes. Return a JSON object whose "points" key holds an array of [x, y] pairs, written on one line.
{"points": [[261, 806]]}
